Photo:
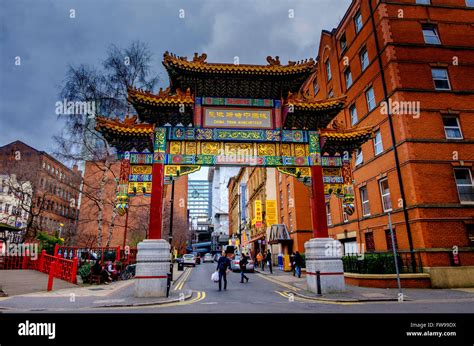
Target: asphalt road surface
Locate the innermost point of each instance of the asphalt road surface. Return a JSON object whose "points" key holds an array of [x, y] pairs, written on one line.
{"points": [[261, 295]]}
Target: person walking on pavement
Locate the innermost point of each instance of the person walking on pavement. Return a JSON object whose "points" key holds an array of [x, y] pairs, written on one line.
{"points": [[298, 263], [259, 259], [243, 265], [223, 266], [292, 262], [268, 259]]}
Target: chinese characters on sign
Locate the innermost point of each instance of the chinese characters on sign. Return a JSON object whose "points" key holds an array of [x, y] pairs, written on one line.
{"points": [[271, 212], [258, 213], [238, 118]]}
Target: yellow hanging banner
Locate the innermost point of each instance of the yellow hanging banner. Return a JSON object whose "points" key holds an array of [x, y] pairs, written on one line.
{"points": [[271, 212]]}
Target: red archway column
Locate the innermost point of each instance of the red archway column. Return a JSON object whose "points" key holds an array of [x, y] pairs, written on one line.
{"points": [[318, 204], [156, 201]]}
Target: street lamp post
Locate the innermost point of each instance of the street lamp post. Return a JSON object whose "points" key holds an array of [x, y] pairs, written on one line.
{"points": [[170, 233], [126, 228]]}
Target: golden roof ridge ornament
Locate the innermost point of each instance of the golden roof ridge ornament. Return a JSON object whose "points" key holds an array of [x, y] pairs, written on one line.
{"points": [[273, 62], [199, 63]]}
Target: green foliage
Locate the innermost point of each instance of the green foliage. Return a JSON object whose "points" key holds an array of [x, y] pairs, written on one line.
{"points": [[379, 263], [48, 242], [85, 270]]}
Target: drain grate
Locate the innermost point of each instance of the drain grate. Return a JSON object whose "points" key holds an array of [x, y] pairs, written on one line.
{"points": [[96, 289]]}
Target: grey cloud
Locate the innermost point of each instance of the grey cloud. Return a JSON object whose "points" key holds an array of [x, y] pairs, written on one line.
{"points": [[47, 40]]}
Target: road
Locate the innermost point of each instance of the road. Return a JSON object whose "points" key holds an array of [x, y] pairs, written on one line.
{"points": [[260, 295]]}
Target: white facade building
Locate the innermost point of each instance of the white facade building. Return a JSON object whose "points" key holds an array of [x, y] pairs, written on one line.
{"points": [[15, 201], [219, 178]]}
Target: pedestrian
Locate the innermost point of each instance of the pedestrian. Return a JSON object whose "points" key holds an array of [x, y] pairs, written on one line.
{"points": [[268, 258], [259, 259], [243, 266], [97, 269], [292, 262], [298, 263], [223, 265]]}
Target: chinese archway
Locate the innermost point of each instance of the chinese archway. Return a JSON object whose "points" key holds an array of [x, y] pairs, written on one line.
{"points": [[234, 114]]}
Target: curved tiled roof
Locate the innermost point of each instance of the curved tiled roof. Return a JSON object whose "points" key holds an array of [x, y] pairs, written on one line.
{"points": [[128, 126], [163, 98], [199, 64]]}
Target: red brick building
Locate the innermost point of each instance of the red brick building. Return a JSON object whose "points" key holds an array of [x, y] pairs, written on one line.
{"points": [[55, 188], [294, 209], [138, 217], [406, 68]]}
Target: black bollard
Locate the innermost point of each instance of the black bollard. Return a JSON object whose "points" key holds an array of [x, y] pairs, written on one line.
{"points": [[318, 282]]}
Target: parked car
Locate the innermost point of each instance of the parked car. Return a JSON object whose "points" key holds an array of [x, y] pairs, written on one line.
{"points": [[235, 265], [189, 260], [208, 258]]}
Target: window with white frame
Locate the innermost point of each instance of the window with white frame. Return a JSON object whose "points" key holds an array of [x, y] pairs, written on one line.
{"points": [[358, 22], [385, 195], [440, 78], [452, 129], [353, 112], [359, 157], [430, 34], [470, 3], [423, 2], [364, 197], [328, 70], [345, 216], [370, 97], [364, 59], [464, 185], [378, 145], [348, 77], [328, 213], [331, 94]]}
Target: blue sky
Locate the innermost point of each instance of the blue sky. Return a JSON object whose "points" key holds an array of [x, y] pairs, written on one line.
{"points": [[47, 40]]}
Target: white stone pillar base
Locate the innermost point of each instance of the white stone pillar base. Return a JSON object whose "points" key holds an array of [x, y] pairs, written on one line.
{"points": [[324, 255], [153, 266]]}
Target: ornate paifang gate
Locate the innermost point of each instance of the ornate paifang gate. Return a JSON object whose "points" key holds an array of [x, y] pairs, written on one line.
{"points": [[244, 115]]}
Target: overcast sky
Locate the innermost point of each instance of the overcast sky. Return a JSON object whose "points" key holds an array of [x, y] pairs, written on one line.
{"points": [[46, 39]]}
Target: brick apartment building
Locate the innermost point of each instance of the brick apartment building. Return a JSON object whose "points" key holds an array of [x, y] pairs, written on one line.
{"points": [[294, 209], [419, 165], [138, 214], [55, 188]]}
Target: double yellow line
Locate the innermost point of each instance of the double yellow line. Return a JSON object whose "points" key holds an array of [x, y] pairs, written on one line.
{"points": [[286, 295], [275, 281], [182, 280]]}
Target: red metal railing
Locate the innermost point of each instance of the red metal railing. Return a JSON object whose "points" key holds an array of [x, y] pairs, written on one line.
{"points": [[63, 269], [128, 257], [15, 262], [102, 253]]}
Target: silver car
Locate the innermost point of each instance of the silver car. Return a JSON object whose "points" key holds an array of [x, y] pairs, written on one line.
{"points": [[235, 264], [189, 260], [208, 258]]}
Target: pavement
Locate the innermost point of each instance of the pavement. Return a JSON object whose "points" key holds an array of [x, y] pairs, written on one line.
{"points": [[280, 292], [33, 297], [18, 282], [298, 287]]}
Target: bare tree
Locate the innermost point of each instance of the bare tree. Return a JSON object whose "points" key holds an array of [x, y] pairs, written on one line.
{"points": [[106, 89], [22, 183]]}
